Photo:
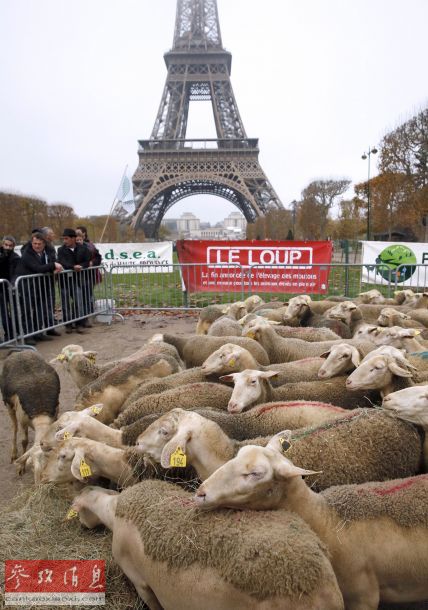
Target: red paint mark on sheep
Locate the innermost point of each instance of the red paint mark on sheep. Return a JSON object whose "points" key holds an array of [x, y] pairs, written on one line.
{"points": [[299, 403], [404, 484]]}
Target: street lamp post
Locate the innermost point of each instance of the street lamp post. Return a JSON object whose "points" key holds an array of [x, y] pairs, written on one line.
{"points": [[367, 155]]}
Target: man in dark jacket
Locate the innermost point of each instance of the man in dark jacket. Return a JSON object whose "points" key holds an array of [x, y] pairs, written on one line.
{"points": [[50, 250], [8, 261], [35, 301], [73, 257]]}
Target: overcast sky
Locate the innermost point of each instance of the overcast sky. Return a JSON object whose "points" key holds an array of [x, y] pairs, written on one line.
{"points": [[317, 81]]}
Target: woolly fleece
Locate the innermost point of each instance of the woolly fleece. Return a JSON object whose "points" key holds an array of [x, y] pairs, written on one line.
{"points": [[265, 554], [23, 373], [191, 396], [364, 445], [405, 501]]}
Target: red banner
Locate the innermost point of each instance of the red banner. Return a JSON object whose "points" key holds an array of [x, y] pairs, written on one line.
{"points": [[259, 266]]}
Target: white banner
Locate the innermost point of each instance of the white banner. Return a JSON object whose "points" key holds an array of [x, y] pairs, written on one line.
{"points": [[148, 256], [401, 263]]}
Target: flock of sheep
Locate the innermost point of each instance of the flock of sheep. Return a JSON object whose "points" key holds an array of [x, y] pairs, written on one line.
{"points": [[275, 459]]}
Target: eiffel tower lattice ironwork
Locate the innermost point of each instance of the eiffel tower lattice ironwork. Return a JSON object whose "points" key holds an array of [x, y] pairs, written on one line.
{"points": [[171, 167]]}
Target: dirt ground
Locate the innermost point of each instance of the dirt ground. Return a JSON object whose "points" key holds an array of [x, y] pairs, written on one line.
{"points": [[111, 342]]}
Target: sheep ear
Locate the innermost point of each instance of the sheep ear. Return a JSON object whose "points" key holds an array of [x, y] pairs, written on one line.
{"points": [[285, 469], [281, 441], [93, 410], [395, 368], [325, 354], [178, 440], [355, 358], [227, 378], [268, 374], [90, 355], [79, 456], [274, 322]]}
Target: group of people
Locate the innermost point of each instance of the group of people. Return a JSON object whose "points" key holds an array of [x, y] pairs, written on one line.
{"points": [[71, 269]]}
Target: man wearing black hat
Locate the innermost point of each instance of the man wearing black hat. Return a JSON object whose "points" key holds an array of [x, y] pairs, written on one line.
{"points": [[73, 257]]}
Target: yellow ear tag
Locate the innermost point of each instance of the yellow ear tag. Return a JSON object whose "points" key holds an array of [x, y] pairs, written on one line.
{"points": [[232, 362], [96, 410], [67, 435], [85, 470], [92, 359], [285, 444], [251, 334], [72, 514], [60, 357], [417, 332], [178, 459]]}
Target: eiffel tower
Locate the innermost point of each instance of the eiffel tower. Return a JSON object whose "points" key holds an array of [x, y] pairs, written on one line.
{"points": [[172, 167]]}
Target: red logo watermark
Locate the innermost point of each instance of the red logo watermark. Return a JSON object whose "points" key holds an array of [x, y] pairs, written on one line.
{"points": [[60, 582]]}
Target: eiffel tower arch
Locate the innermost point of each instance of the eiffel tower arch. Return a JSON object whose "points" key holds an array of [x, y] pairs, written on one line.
{"points": [[172, 167]]}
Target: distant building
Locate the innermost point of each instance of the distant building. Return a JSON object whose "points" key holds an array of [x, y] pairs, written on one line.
{"points": [[189, 226], [397, 234], [170, 224], [188, 222], [235, 220]]}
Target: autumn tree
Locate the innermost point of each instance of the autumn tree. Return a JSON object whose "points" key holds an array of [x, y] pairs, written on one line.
{"points": [[60, 216], [318, 198], [403, 162], [275, 224], [350, 222]]}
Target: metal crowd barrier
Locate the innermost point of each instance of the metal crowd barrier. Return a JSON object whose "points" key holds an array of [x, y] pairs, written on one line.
{"points": [[38, 303], [8, 332], [415, 277], [41, 302], [136, 287]]}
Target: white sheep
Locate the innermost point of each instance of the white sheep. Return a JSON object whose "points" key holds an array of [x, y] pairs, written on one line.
{"points": [[161, 542], [206, 445], [35, 456], [401, 338], [391, 317], [253, 387], [382, 372], [363, 526], [112, 388], [189, 396], [232, 358], [344, 358], [299, 308], [195, 349], [208, 315], [411, 404], [286, 350], [80, 364], [350, 314], [83, 459], [226, 326]]}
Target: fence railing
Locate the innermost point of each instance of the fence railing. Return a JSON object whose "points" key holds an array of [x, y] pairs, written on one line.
{"points": [[39, 303]]}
